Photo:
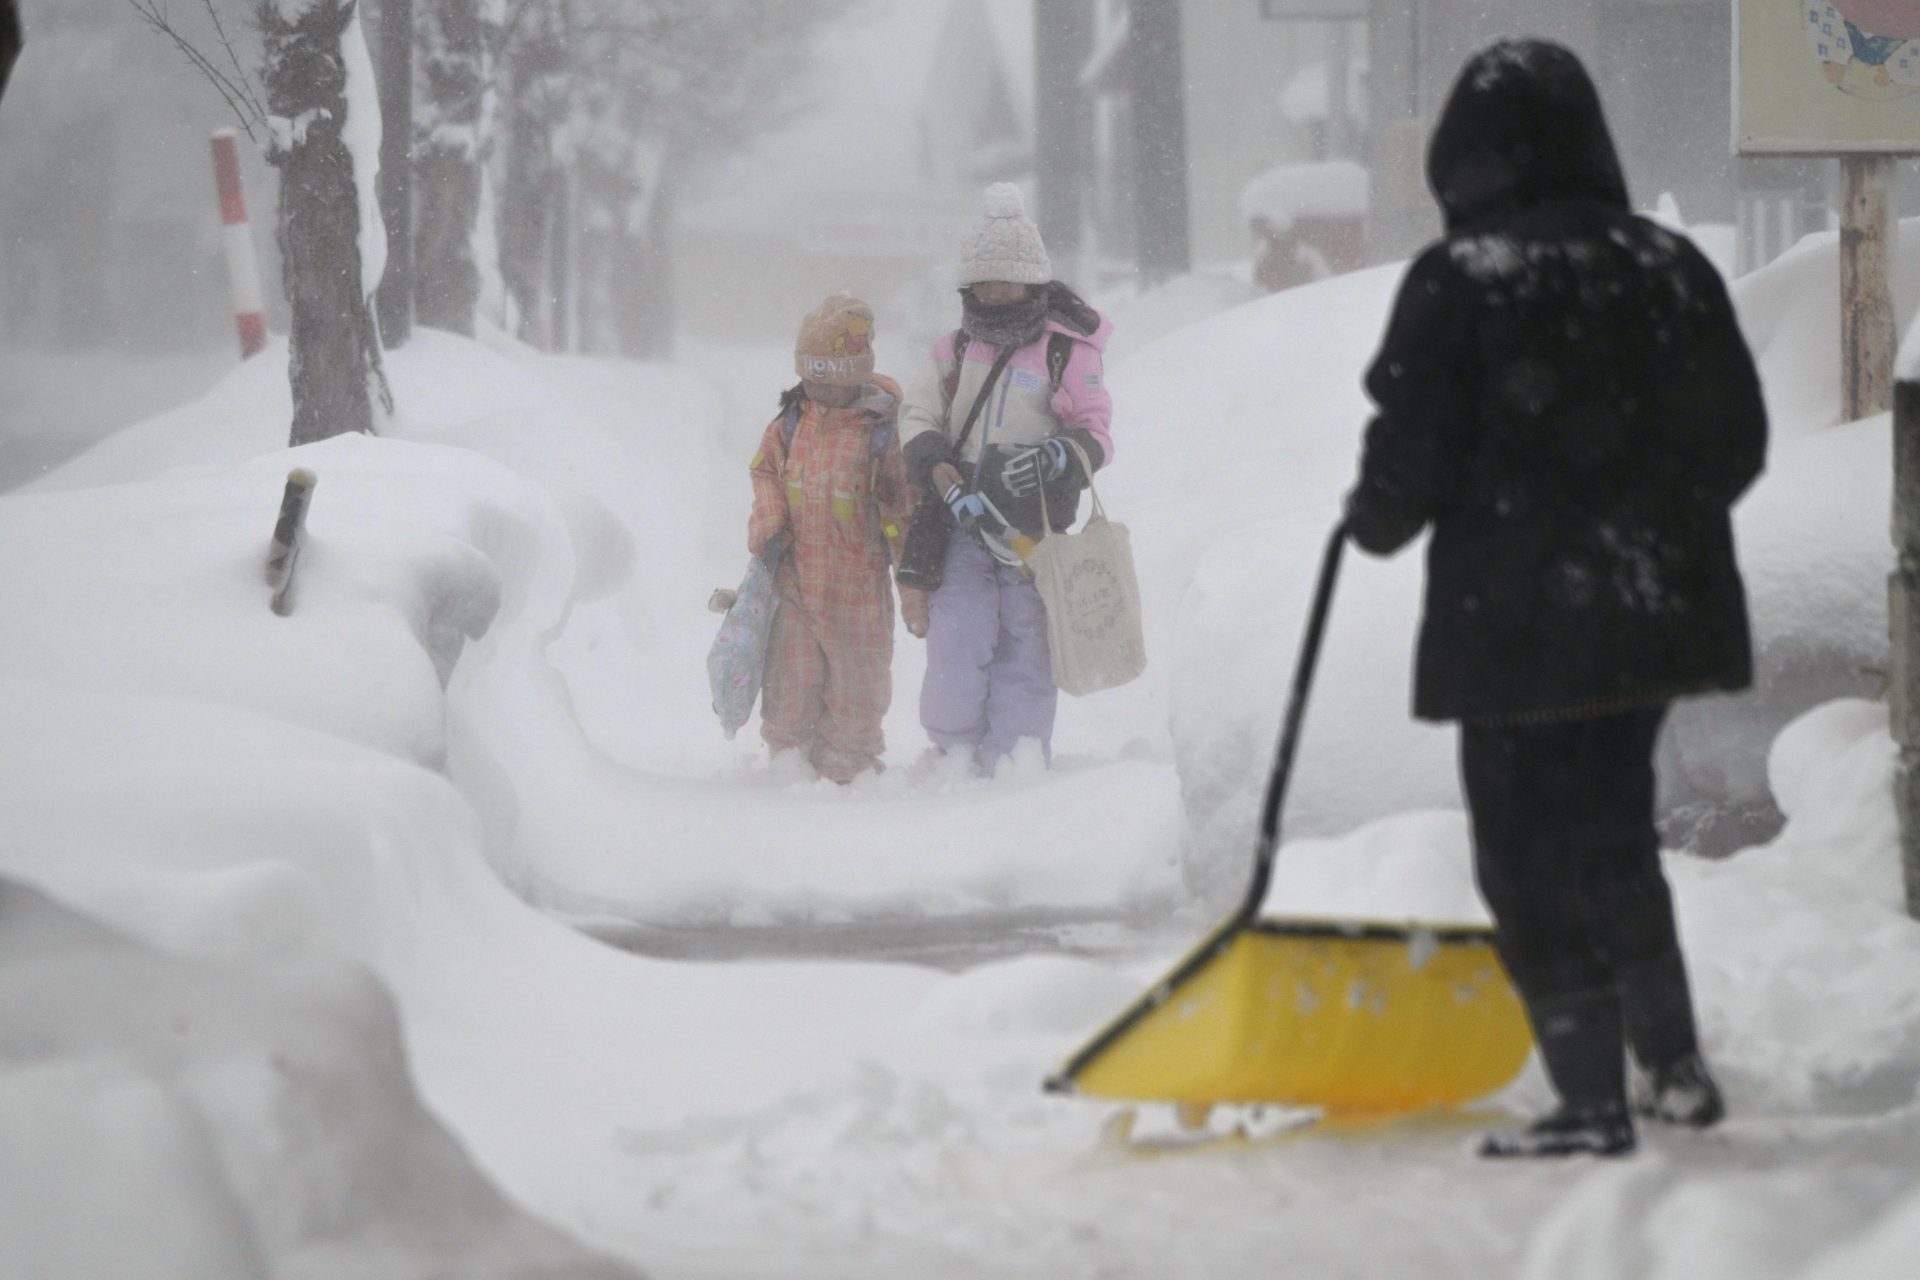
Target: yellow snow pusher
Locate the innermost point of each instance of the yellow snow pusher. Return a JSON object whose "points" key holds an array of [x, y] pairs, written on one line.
{"points": [[1352, 1017]]}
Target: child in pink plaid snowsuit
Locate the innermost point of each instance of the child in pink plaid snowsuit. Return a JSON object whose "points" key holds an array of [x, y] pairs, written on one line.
{"points": [[835, 486]]}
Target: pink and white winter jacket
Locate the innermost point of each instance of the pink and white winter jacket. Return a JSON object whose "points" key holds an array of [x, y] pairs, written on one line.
{"points": [[1024, 409]]}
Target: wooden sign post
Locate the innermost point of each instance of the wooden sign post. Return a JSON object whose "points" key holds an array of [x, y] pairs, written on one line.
{"points": [[1866, 286], [1842, 78]]}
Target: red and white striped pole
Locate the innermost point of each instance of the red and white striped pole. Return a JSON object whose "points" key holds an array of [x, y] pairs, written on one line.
{"points": [[243, 268]]}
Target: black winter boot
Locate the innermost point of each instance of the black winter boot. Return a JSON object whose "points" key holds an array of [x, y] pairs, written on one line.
{"points": [[1682, 1093], [1583, 1047], [1604, 1131], [1658, 1006]]}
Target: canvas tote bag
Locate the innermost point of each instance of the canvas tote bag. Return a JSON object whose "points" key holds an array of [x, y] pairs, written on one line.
{"points": [[1087, 582]]}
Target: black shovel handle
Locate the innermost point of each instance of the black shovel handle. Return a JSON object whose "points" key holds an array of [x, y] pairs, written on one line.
{"points": [[1290, 729]]}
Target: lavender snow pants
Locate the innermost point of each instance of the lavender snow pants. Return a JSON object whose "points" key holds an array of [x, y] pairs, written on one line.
{"points": [[989, 677]]}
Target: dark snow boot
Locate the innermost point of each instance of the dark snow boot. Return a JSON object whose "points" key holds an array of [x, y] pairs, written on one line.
{"points": [[1658, 1006], [1604, 1131], [1583, 1047], [1682, 1093]]}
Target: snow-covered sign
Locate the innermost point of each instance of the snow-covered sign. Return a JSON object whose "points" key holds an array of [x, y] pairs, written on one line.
{"points": [[1825, 76], [1334, 189]]}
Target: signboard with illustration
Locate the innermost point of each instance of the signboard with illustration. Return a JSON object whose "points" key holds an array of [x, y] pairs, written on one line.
{"points": [[1826, 76]]}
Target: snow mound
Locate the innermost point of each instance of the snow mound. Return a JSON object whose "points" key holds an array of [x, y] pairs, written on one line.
{"points": [[1806, 963], [1811, 757], [257, 1121], [1410, 866], [1144, 317]]}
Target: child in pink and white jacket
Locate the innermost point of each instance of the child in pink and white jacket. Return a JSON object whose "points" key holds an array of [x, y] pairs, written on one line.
{"points": [[989, 681]]}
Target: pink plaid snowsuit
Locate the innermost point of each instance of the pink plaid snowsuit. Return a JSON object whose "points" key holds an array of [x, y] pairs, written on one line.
{"points": [[829, 673]]}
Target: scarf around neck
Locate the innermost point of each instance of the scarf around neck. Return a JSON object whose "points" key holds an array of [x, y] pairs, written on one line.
{"points": [[1013, 324]]}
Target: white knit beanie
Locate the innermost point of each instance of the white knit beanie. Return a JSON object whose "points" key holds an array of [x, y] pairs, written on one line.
{"points": [[1004, 245]]}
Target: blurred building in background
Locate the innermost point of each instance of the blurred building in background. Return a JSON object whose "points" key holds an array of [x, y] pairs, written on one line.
{"points": [[1278, 101], [1274, 141], [109, 230], [919, 106]]}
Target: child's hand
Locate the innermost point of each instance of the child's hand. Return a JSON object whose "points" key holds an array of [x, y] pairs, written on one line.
{"points": [[914, 611]]}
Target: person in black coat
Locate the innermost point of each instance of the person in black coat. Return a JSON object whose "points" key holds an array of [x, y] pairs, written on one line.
{"points": [[1565, 397]]}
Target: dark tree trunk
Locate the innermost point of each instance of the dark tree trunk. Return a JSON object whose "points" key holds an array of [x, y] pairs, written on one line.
{"points": [[396, 169], [334, 348], [452, 148], [533, 191], [1063, 122], [1159, 140]]}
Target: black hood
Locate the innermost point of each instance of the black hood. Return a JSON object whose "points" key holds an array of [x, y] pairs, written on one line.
{"points": [[1522, 127]]}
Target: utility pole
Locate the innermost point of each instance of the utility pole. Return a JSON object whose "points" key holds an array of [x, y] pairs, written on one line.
{"points": [[395, 296], [1903, 617], [1063, 122], [1161, 225]]}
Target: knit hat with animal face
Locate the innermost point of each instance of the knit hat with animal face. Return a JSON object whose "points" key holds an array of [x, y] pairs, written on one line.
{"points": [[1004, 245], [835, 345]]}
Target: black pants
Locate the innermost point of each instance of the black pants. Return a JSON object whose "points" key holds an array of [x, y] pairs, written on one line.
{"points": [[1566, 852]]}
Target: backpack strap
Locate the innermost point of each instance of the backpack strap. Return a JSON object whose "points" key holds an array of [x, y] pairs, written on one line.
{"points": [[789, 423], [961, 341], [877, 441], [980, 399], [1059, 351]]}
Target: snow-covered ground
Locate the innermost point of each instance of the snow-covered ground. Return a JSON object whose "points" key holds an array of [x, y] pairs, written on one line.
{"points": [[319, 1013]]}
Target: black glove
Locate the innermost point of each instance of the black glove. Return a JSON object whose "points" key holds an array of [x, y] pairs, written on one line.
{"points": [[1024, 472]]}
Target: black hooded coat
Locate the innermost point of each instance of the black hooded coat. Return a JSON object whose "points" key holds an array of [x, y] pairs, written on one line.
{"points": [[1564, 395]]}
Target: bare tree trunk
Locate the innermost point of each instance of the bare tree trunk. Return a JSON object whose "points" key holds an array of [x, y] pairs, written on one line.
{"points": [[454, 139], [533, 193], [1159, 141], [396, 169], [335, 350], [1063, 124]]}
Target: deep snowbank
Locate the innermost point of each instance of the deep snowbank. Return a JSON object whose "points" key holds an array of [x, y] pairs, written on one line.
{"points": [[227, 784], [172, 1118]]}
